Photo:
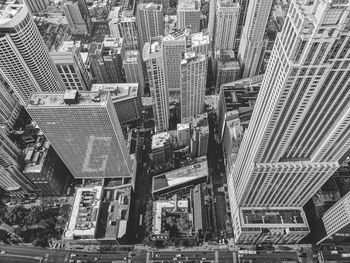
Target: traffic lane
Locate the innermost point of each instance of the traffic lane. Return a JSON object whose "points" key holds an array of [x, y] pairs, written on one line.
{"points": [[227, 256], [120, 255], [191, 255], [14, 259]]}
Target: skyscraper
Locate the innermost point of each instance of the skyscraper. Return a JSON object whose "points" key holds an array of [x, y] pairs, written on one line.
{"points": [[70, 65], [132, 65], [84, 130], [149, 21], [25, 62], [189, 14], [252, 39], [153, 56], [9, 105], [243, 9], [193, 79], [300, 124], [226, 21], [78, 16]]}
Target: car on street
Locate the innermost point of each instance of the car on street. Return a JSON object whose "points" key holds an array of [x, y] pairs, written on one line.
{"points": [[2, 252]]}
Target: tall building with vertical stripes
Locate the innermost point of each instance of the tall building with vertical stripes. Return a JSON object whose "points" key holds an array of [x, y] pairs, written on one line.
{"points": [[193, 80], [25, 62], [226, 22], [153, 56], [189, 14], [300, 125], [252, 38], [149, 21], [78, 17], [84, 130], [134, 72]]}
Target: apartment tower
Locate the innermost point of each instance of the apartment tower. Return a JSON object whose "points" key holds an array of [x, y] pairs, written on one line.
{"points": [[226, 21], [153, 56], [252, 39], [193, 79], [132, 65], [25, 63], [84, 130], [300, 125], [9, 105], [189, 14], [149, 21]]}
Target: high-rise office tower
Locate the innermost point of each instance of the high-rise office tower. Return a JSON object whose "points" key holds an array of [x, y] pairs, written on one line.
{"points": [[70, 65], [11, 166], [106, 60], [78, 16], [84, 130], [189, 14], [193, 79], [252, 39], [226, 21], [153, 56], [132, 65], [149, 21], [37, 5], [9, 105], [25, 62], [300, 125], [122, 24]]}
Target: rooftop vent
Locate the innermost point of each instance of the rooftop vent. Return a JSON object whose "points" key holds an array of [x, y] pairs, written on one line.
{"points": [[71, 97]]}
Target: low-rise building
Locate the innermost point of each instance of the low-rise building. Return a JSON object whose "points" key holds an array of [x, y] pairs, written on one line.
{"points": [[176, 180], [166, 216], [84, 216], [161, 148], [126, 98], [45, 169]]}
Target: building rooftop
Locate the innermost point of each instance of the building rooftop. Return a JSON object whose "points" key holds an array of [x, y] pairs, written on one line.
{"points": [[150, 6], [118, 200], [152, 49], [169, 205], [9, 9], [84, 216], [118, 15], [36, 155], [189, 5], [158, 140], [68, 46], [58, 99], [235, 128], [131, 56], [183, 126], [189, 57], [281, 216], [118, 91], [181, 176]]}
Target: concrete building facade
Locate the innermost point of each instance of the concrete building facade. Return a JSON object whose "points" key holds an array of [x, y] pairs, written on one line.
{"points": [[25, 63], [84, 130], [189, 14], [70, 66], [78, 17], [193, 80], [133, 69], [298, 132], [252, 39]]}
